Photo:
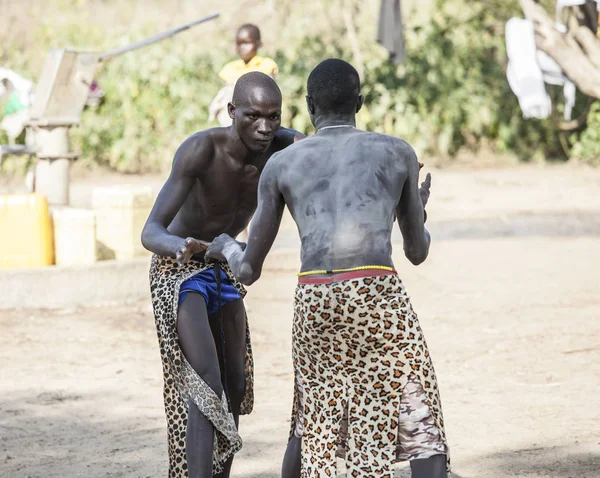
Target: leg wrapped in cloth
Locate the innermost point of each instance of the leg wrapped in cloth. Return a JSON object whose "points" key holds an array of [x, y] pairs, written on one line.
{"points": [[182, 384], [366, 388]]}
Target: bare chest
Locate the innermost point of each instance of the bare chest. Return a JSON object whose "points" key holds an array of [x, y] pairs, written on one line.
{"points": [[226, 191]]}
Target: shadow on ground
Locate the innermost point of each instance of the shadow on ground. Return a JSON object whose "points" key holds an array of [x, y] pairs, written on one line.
{"points": [[100, 443], [97, 443], [551, 462], [555, 462]]}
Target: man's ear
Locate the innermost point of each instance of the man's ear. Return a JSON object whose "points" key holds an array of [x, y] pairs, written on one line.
{"points": [[310, 104], [231, 110], [360, 102]]}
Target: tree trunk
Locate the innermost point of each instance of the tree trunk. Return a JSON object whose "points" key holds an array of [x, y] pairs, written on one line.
{"points": [[577, 52], [350, 12]]}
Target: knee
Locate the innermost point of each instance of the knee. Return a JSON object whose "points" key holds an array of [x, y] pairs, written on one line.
{"points": [[211, 376], [237, 387]]}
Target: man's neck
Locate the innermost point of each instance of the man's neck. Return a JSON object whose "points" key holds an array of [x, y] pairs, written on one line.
{"points": [[334, 120]]}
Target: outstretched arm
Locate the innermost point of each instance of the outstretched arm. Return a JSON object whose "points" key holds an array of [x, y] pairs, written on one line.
{"points": [[247, 264], [187, 164], [411, 211]]}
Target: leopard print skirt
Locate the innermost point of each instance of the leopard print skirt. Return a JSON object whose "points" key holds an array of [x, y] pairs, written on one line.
{"points": [[181, 382], [366, 388]]}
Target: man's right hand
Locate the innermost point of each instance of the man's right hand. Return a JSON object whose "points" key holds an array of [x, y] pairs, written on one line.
{"points": [[190, 247]]}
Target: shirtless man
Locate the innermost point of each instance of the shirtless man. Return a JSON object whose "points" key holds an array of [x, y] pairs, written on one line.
{"points": [[198, 306], [358, 349]]}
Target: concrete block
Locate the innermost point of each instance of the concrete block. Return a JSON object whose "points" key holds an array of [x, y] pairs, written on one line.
{"points": [[74, 236], [54, 287], [121, 212]]}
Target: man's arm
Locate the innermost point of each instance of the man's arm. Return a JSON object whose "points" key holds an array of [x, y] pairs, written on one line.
{"points": [[187, 162], [247, 264], [411, 213]]}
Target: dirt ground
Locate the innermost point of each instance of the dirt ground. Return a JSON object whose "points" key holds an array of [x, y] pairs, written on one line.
{"points": [[508, 299]]}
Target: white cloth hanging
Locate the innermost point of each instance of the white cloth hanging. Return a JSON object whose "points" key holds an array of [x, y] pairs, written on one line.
{"points": [[553, 75], [22, 86], [14, 123], [218, 106], [529, 69], [524, 74]]}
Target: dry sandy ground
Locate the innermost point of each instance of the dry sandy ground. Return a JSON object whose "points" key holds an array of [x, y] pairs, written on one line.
{"points": [[509, 301]]}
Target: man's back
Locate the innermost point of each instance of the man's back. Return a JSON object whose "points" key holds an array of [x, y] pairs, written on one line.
{"points": [[342, 187], [356, 339]]}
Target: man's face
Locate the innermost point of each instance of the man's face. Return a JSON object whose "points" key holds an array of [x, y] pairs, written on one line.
{"points": [[258, 118], [246, 45]]}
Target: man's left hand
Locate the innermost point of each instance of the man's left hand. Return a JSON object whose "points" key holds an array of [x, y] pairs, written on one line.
{"points": [[217, 247], [424, 190]]}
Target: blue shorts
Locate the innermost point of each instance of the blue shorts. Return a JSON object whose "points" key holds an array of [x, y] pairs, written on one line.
{"points": [[205, 284]]}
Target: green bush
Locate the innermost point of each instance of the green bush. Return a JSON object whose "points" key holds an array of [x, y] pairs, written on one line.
{"points": [[152, 103], [451, 94], [586, 144]]}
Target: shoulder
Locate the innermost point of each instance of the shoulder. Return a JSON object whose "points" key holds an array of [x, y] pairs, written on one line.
{"points": [[405, 148], [400, 145], [397, 145], [231, 65], [269, 177], [407, 155], [228, 69], [268, 62], [285, 137], [197, 150], [393, 153], [289, 156], [286, 144]]}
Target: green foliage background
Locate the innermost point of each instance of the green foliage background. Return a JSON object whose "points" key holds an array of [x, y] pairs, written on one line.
{"points": [[451, 94]]}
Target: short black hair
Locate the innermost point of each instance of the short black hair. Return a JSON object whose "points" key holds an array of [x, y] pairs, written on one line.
{"points": [[252, 29], [334, 86], [249, 81]]}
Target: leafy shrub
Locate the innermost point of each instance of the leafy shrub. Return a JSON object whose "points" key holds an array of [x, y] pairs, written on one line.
{"points": [[451, 94]]}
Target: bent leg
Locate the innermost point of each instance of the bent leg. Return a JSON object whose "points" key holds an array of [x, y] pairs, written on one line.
{"points": [[198, 347], [234, 328], [432, 467]]}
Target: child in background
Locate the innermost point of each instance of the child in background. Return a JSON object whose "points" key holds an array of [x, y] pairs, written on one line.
{"points": [[247, 44]]}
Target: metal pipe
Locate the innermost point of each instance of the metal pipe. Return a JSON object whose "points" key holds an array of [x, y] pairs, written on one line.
{"points": [[154, 38]]}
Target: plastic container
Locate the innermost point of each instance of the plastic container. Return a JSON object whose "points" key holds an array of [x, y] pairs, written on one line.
{"points": [[25, 231]]}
